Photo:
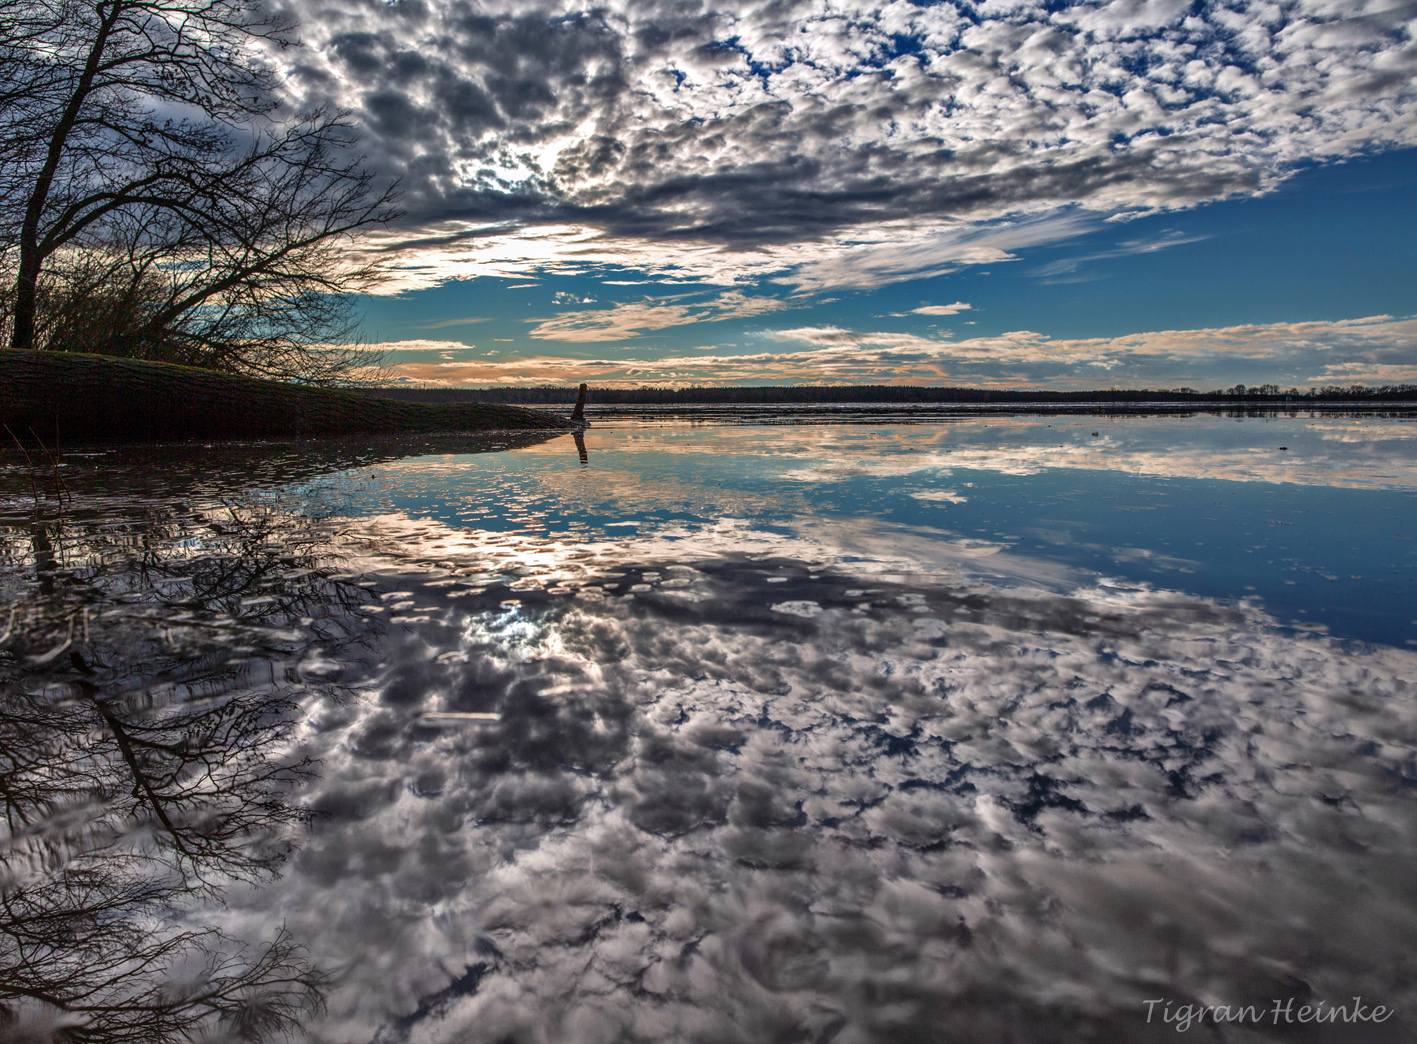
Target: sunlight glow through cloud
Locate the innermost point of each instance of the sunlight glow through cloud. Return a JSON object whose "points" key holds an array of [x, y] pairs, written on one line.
{"points": [[641, 130], [791, 155]]}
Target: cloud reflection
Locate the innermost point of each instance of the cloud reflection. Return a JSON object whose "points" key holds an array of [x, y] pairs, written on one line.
{"points": [[1321, 451], [153, 667], [775, 775], [927, 805]]}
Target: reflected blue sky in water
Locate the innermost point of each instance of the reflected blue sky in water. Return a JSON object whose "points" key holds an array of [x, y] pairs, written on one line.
{"points": [[1319, 531], [869, 733], [945, 732]]}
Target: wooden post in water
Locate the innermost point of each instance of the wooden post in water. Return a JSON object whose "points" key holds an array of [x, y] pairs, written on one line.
{"points": [[578, 420]]}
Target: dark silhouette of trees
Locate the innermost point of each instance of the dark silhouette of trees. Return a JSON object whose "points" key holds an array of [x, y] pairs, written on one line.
{"points": [[150, 673], [155, 201]]}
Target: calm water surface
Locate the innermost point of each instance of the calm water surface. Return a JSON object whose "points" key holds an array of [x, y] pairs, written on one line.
{"points": [[992, 729]]}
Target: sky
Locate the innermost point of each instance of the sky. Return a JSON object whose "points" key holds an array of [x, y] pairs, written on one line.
{"points": [[1138, 193]]}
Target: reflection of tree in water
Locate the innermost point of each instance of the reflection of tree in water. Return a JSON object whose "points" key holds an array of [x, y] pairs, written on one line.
{"points": [[150, 676]]}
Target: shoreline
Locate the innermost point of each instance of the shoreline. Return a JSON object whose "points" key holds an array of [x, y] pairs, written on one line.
{"points": [[72, 398], [845, 412]]}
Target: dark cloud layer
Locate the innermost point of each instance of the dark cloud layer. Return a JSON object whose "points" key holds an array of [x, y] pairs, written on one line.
{"points": [[752, 123]]}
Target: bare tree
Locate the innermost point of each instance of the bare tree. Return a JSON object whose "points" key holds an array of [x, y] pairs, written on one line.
{"points": [[148, 184]]}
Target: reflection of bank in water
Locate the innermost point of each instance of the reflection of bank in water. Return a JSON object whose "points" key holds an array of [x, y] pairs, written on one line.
{"points": [[130, 474], [165, 623]]}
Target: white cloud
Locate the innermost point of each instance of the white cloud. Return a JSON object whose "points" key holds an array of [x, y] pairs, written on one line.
{"points": [[791, 127], [443, 324], [949, 309], [1372, 373], [836, 336], [422, 345], [1063, 269], [1378, 349], [628, 320], [859, 257]]}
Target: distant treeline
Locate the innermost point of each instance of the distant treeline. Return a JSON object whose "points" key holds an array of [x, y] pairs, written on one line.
{"points": [[882, 393]]}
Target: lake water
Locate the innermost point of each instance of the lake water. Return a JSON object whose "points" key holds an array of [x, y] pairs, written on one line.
{"points": [[972, 728]]}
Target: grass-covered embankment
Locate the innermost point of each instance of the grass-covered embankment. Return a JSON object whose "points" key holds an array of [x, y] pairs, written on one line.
{"points": [[71, 397]]}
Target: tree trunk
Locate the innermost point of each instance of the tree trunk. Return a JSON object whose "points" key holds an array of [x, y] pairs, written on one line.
{"points": [[26, 299], [31, 257]]}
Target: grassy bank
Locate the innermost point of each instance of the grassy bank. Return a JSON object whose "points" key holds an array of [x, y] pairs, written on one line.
{"points": [[69, 397]]}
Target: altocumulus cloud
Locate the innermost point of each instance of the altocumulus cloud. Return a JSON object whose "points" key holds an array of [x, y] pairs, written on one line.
{"points": [[631, 319], [793, 126], [1375, 349]]}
